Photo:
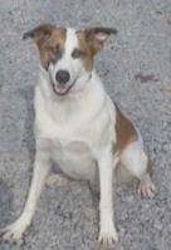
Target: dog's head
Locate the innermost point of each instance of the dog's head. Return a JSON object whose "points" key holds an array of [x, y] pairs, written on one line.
{"points": [[67, 55]]}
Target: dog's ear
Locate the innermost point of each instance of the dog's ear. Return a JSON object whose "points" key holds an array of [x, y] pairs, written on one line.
{"points": [[40, 34], [97, 36]]}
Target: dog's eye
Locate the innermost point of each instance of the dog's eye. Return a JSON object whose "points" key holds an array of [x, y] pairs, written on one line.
{"points": [[58, 54], [55, 53], [77, 53]]}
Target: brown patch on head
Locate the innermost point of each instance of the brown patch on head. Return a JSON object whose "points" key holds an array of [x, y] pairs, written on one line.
{"points": [[92, 41], [50, 41], [125, 131], [87, 54]]}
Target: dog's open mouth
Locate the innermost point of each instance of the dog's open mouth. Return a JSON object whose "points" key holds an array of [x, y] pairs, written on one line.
{"points": [[61, 90]]}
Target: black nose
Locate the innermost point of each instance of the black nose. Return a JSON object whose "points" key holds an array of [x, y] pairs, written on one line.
{"points": [[62, 76]]}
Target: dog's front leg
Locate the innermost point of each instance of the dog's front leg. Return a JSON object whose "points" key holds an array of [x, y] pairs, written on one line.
{"points": [[108, 235], [15, 230]]}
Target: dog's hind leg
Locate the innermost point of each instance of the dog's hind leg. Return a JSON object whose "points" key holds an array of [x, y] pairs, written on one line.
{"points": [[135, 160], [15, 230]]}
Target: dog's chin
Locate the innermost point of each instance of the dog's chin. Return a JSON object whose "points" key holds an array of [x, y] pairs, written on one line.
{"points": [[61, 91]]}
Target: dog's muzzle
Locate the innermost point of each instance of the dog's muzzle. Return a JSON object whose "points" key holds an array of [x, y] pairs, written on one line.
{"points": [[60, 83]]}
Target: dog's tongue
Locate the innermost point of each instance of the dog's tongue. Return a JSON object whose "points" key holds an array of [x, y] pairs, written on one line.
{"points": [[60, 90]]}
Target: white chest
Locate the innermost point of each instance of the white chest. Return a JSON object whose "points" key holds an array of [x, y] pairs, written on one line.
{"points": [[76, 133], [74, 158]]}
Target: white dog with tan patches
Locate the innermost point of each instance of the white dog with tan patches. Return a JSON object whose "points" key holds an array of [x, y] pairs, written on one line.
{"points": [[78, 126]]}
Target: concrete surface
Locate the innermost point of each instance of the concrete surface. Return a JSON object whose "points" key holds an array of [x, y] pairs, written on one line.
{"points": [[136, 68]]}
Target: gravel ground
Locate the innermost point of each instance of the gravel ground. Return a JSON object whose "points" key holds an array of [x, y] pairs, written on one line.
{"points": [[136, 68]]}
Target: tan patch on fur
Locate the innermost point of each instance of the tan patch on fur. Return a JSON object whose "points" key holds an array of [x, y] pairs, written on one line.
{"points": [[87, 51], [125, 131], [50, 48], [91, 41], [50, 41]]}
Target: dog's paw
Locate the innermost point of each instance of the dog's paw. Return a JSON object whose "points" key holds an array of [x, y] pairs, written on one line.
{"points": [[108, 238], [147, 189], [13, 232]]}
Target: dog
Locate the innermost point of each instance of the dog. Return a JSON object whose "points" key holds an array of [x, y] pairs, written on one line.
{"points": [[78, 126]]}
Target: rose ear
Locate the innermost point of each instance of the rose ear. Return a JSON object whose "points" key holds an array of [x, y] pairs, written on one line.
{"points": [[40, 33], [97, 36]]}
